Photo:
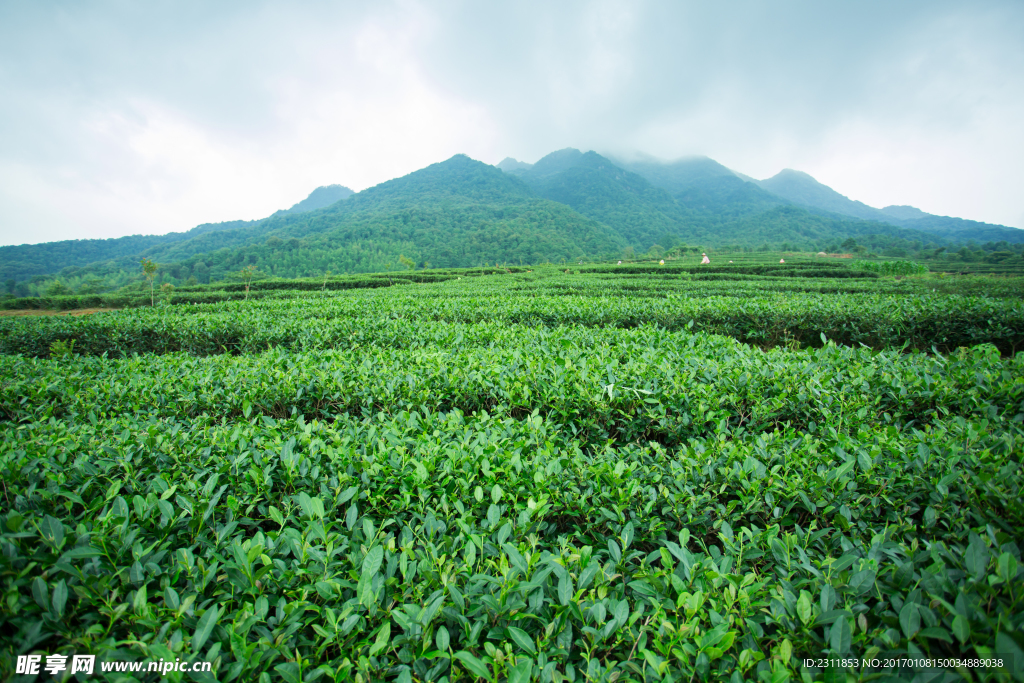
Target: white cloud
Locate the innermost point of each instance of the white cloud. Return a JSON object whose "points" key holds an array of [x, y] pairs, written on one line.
{"points": [[120, 119]]}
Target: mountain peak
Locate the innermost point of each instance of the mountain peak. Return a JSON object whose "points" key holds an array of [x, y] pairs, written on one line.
{"points": [[904, 213], [514, 166], [556, 162], [325, 195], [793, 174]]}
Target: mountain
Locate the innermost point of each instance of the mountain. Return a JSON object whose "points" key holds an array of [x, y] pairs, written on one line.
{"points": [[708, 191], [322, 196], [461, 212], [801, 188], [456, 213], [679, 175], [512, 166], [597, 188], [25, 261]]}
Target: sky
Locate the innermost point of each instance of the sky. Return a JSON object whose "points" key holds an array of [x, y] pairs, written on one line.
{"points": [[122, 117]]}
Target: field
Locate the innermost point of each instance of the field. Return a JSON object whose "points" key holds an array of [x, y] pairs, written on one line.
{"points": [[582, 472]]}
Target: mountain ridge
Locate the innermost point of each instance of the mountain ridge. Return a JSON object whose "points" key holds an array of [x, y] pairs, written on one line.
{"points": [[462, 212]]}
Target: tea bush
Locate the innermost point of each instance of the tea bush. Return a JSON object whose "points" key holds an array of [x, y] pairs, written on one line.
{"points": [[494, 479]]}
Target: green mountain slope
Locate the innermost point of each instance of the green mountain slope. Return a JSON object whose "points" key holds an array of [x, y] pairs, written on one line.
{"points": [[676, 176], [802, 229], [462, 212], [706, 191], [319, 198], [22, 262], [595, 187], [455, 213], [801, 188]]}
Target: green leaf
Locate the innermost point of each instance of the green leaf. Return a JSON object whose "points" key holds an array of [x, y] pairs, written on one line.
{"points": [[373, 559], [614, 551], [496, 494], [840, 636], [204, 628], [364, 589], [441, 639], [141, 598], [41, 593], [862, 581], [276, 515], [627, 534], [936, 633], [14, 522], [53, 531], [521, 672], [60, 597], [976, 559], [476, 666], [910, 619], [961, 628], [289, 672], [347, 495], [1007, 567], [565, 589], [803, 607], [171, 598], [522, 639], [383, 638]]}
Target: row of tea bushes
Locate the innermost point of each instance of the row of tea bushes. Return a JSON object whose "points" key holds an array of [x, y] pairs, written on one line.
{"points": [[942, 323], [421, 545]]}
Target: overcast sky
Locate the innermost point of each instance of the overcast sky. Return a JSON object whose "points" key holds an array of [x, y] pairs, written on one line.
{"points": [[129, 117]]}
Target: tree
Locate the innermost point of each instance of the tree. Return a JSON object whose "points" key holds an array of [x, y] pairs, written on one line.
{"points": [[167, 289], [149, 268], [56, 288], [408, 262], [247, 275], [91, 285]]}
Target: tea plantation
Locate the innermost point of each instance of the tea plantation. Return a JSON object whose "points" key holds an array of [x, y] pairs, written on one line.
{"points": [[607, 474]]}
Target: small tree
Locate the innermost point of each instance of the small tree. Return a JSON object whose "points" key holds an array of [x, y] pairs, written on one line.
{"points": [[406, 261], [149, 268], [167, 289], [247, 274], [56, 288], [327, 275]]}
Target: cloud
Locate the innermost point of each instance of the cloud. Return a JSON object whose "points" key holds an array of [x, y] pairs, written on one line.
{"points": [[121, 118]]}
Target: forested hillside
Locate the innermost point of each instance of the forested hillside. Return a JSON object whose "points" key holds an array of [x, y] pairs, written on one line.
{"points": [[803, 189], [461, 213]]}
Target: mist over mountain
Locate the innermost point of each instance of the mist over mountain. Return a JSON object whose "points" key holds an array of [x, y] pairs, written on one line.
{"points": [[512, 166], [679, 175], [460, 212]]}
